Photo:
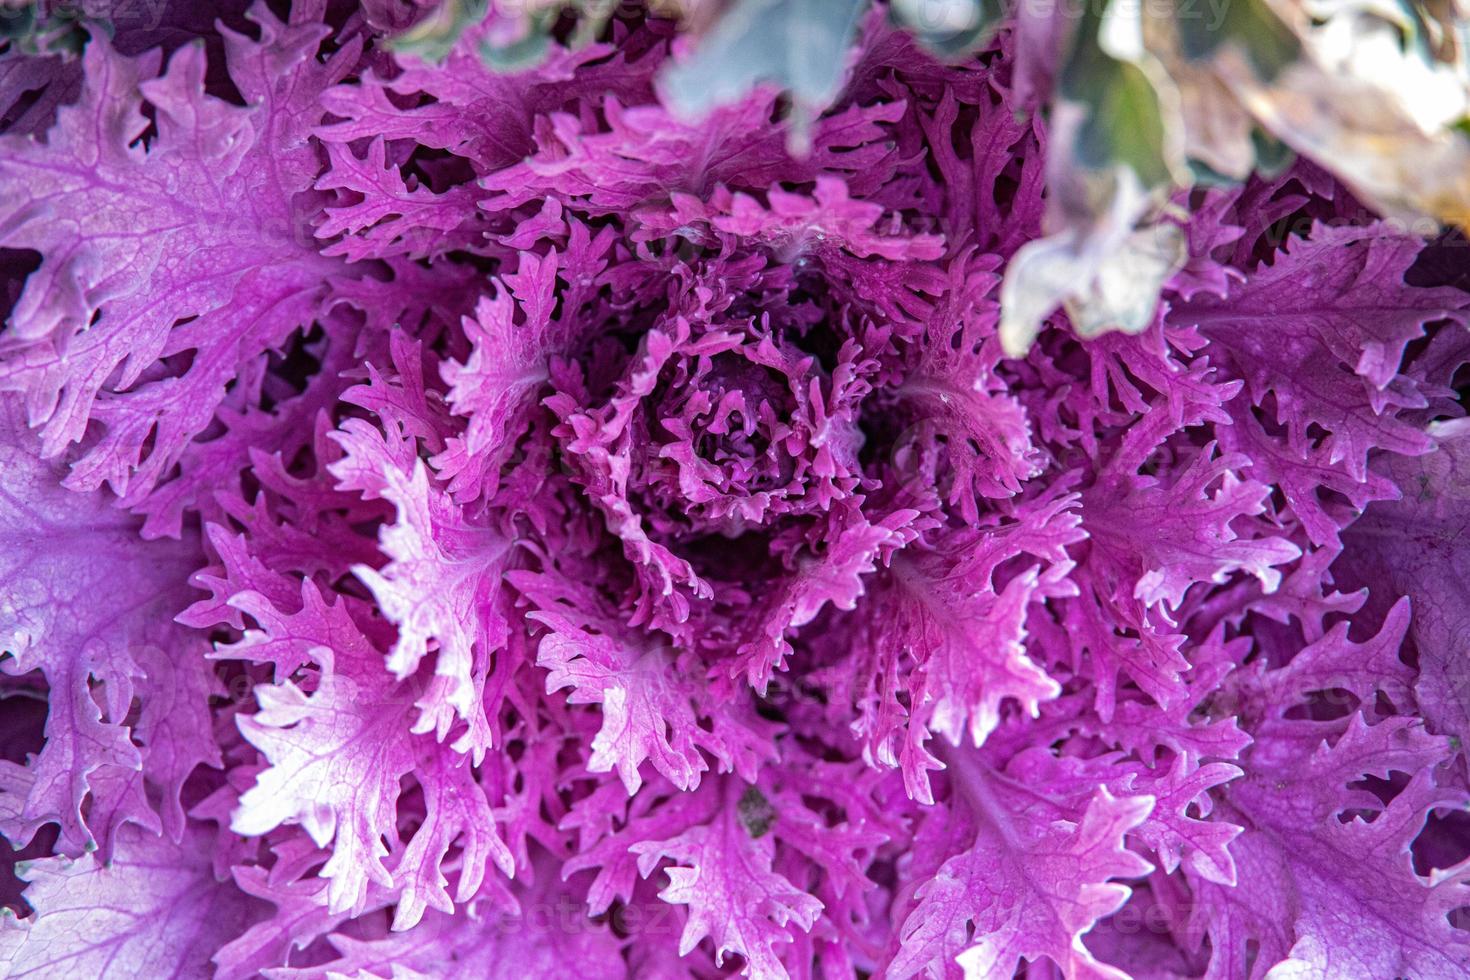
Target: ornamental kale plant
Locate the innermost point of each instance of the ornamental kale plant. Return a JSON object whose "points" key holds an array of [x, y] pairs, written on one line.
{"points": [[457, 523]]}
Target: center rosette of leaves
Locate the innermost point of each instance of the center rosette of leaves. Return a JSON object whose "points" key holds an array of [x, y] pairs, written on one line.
{"points": [[734, 434], [712, 436]]}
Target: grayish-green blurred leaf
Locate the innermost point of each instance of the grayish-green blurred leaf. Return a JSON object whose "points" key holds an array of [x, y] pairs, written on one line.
{"points": [[1123, 122], [800, 46], [1251, 25], [1272, 155], [1115, 153], [1107, 277], [30, 30], [525, 53], [435, 36], [948, 27]]}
